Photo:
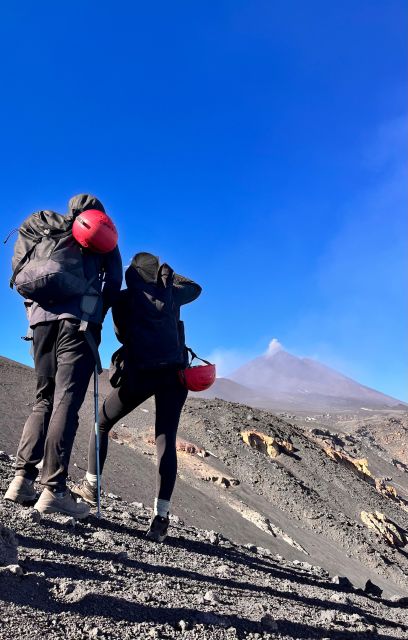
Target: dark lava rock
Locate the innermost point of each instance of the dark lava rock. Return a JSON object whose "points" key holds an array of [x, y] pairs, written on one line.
{"points": [[372, 589], [8, 546], [342, 582], [269, 623], [400, 601]]}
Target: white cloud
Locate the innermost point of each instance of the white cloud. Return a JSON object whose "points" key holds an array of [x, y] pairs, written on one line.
{"points": [[228, 360], [273, 347]]}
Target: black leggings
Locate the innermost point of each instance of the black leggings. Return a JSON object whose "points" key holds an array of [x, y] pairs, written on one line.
{"points": [[170, 397]]}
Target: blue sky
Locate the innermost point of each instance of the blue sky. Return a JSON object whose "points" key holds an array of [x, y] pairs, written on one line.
{"points": [[258, 147]]}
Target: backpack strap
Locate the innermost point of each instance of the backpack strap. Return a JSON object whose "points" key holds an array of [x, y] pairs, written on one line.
{"points": [[29, 336], [12, 232], [88, 305], [94, 348], [84, 327]]}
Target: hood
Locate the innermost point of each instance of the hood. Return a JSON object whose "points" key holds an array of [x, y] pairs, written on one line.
{"points": [[83, 202], [145, 267]]}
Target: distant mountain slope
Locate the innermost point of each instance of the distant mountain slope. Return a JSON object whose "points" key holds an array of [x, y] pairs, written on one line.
{"points": [[302, 383], [233, 392]]}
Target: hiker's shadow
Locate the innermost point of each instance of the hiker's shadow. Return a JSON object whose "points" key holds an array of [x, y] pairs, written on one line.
{"points": [[224, 553], [129, 566], [65, 569], [118, 610], [267, 565]]}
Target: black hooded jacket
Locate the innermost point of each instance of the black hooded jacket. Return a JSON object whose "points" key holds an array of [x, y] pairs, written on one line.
{"points": [[107, 267], [146, 315]]}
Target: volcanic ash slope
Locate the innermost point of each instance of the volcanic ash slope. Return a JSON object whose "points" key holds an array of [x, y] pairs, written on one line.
{"points": [[103, 579], [304, 504], [315, 489]]}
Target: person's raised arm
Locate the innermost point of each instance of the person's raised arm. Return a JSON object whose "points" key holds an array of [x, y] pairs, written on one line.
{"points": [[185, 290], [113, 276]]}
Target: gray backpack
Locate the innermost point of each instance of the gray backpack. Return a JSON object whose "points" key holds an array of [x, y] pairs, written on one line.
{"points": [[48, 262], [48, 267]]}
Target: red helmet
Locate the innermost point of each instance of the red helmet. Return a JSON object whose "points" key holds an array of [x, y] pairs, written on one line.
{"points": [[95, 230], [198, 378]]}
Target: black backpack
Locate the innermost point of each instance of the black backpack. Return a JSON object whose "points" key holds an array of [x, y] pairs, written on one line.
{"points": [[48, 262], [147, 322], [156, 333], [48, 267]]}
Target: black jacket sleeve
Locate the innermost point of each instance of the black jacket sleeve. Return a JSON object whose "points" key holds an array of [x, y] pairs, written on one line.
{"points": [[185, 290], [113, 276], [120, 315]]}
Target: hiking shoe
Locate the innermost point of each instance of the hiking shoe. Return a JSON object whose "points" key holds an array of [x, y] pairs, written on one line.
{"points": [[158, 528], [21, 490], [86, 491], [51, 502]]}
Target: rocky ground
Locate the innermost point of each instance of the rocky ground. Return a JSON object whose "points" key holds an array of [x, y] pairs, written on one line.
{"points": [[383, 431], [307, 496], [103, 579], [310, 498]]}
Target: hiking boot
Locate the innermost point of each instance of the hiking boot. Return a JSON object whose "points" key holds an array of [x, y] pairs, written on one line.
{"points": [[52, 502], [158, 528], [86, 491], [21, 490]]}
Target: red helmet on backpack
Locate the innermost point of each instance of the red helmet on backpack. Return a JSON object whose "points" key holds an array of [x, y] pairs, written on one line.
{"points": [[197, 378], [95, 230]]}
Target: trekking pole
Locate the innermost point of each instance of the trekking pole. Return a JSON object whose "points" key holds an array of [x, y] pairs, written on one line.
{"points": [[98, 470]]}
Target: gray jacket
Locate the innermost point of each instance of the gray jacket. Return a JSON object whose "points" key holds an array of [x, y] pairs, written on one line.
{"points": [[107, 267]]}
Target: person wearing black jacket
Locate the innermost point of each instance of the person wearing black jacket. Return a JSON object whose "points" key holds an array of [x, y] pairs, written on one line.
{"points": [[64, 360], [147, 322]]}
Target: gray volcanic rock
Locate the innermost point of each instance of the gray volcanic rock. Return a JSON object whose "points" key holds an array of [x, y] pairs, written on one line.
{"points": [[303, 499], [301, 508], [8, 546], [72, 586]]}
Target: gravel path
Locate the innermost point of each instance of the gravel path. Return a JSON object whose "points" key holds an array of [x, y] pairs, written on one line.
{"points": [[103, 579]]}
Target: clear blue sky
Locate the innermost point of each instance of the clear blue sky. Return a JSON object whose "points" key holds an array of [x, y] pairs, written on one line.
{"points": [[256, 146]]}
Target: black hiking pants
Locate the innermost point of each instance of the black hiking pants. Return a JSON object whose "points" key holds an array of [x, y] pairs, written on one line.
{"points": [[170, 397], [64, 364]]}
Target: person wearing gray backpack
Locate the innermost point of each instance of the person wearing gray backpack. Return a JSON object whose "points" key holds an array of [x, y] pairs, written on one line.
{"points": [[69, 270]]}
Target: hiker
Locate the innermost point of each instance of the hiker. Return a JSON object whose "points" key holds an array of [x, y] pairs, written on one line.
{"points": [[147, 322], [65, 338]]}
